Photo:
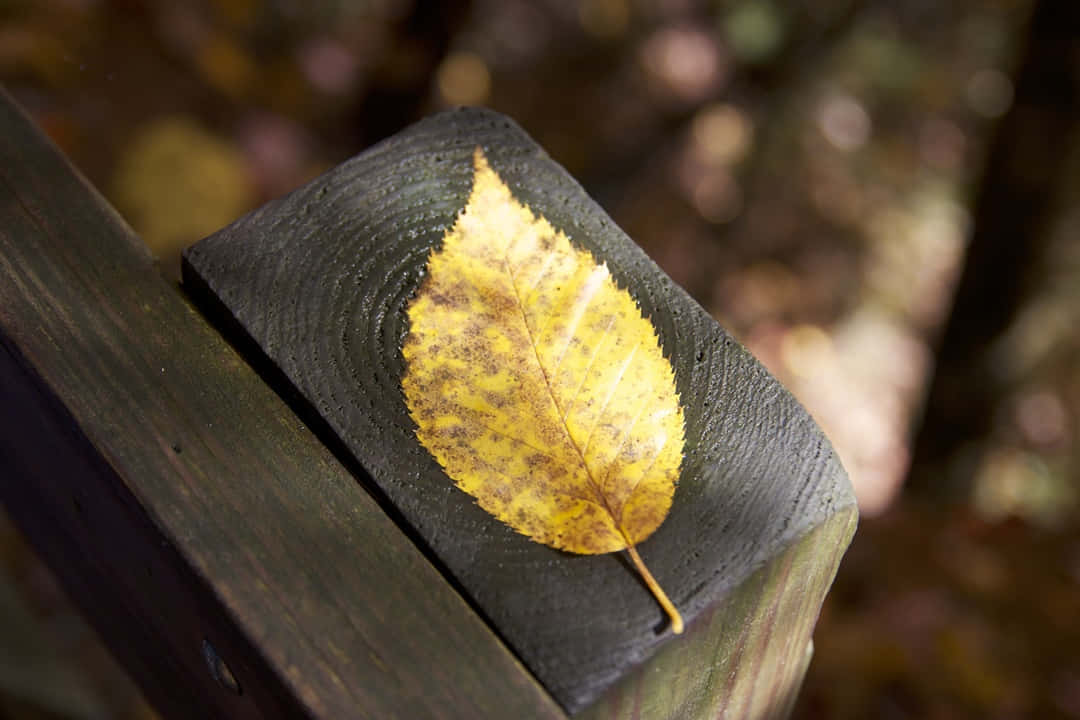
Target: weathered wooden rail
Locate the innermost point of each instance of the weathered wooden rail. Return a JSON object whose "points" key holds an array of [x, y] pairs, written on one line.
{"points": [[241, 564]]}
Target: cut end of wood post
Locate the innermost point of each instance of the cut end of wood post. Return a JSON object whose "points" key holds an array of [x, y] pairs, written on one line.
{"points": [[661, 596]]}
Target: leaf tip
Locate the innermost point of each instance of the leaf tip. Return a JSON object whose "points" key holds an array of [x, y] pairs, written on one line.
{"points": [[480, 162]]}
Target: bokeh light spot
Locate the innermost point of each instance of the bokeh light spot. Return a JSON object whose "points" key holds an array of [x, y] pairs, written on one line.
{"points": [[989, 93], [717, 197], [684, 62], [721, 133], [806, 351], [844, 122], [1042, 417], [605, 19], [463, 79], [755, 31]]}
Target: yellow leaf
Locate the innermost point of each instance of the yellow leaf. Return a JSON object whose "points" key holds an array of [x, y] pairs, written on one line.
{"points": [[539, 387]]}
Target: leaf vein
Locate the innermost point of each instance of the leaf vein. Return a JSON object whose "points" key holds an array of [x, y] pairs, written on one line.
{"points": [[626, 431], [593, 284], [607, 400], [478, 417], [588, 369], [555, 401], [637, 483]]}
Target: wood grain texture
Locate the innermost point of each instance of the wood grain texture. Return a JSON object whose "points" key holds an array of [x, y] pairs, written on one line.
{"points": [[745, 658], [318, 282], [180, 501]]}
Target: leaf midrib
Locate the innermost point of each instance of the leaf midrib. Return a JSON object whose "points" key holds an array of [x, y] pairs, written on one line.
{"points": [[616, 520]]}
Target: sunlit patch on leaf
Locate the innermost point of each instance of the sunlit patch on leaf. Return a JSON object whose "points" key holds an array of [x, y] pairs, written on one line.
{"points": [[538, 385]]}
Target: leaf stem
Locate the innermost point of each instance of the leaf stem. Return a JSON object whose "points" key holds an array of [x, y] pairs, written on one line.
{"points": [[661, 596]]}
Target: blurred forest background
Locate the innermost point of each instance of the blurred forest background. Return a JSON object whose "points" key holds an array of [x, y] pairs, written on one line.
{"points": [[880, 198]]}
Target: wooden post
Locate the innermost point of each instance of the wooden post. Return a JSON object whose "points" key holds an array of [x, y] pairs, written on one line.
{"points": [[313, 286], [228, 560]]}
